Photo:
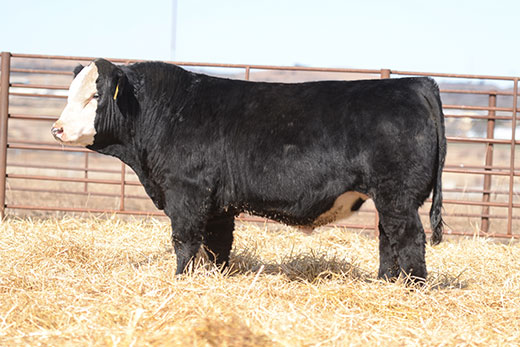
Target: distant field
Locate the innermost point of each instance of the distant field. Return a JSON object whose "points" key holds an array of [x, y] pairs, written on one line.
{"points": [[72, 282]]}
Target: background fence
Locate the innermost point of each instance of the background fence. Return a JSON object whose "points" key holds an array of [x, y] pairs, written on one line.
{"points": [[40, 177]]}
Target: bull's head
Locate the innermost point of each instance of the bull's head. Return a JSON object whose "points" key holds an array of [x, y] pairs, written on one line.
{"points": [[92, 103]]}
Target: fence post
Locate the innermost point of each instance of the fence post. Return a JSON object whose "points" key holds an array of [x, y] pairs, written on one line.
{"points": [[85, 188], [512, 160], [122, 192], [486, 196], [4, 114], [385, 73]]}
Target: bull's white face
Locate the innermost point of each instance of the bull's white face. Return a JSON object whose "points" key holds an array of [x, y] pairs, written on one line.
{"points": [[76, 124]]}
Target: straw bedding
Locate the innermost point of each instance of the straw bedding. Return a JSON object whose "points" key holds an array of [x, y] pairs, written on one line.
{"points": [[109, 281]]}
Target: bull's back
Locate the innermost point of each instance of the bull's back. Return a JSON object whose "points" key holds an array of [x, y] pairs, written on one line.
{"points": [[325, 126]]}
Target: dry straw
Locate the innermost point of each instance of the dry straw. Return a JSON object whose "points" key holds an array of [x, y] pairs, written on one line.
{"points": [[111, 282]]}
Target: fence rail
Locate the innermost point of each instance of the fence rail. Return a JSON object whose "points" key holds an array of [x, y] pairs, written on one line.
{"points": [[481, 174]]}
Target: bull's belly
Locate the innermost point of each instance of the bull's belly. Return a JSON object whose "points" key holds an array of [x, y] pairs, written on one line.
{"points": [[344, 206]]}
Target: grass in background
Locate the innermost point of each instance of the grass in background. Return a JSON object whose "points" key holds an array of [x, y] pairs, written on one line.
{"points": [[96, 281]]}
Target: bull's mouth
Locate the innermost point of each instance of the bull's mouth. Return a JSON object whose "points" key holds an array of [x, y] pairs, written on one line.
{"points": [[60, 136]]}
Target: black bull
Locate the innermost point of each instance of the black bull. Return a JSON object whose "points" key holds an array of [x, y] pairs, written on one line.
{"points": [[206, 149]]}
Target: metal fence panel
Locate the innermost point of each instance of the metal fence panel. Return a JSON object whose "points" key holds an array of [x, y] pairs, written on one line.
{"points": [[39, 176]]}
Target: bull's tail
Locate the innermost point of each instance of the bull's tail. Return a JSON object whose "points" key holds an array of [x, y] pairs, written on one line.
{"points": [[436, 221]]}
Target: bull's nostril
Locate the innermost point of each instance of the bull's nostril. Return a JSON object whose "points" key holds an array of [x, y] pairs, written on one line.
{"points": [[56, 131]]}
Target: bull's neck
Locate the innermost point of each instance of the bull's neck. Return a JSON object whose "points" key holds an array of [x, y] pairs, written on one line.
{"points": [[120, 144], [157, 104], [122, 151]]}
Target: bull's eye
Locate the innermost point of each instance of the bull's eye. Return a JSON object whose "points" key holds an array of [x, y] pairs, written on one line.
{"points": [[96, 96]]}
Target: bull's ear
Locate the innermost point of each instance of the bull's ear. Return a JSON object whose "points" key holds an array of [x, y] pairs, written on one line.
{"points": [[123, 93], [120, 84], [78, 69]]}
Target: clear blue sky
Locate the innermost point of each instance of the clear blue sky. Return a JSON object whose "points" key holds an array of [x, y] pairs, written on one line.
{"points": [[460, 36]]}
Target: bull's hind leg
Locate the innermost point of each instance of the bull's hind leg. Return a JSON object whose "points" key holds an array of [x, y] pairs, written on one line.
{"points": [[406, 237], [218, 239], [388, 263]]}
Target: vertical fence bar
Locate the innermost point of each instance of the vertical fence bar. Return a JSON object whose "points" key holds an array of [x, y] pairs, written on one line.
{"points": [[85, 188], [123, 178], [247, 73], [385, 73], [512, 160], [4, 114], [122, 196], [484, 225]]}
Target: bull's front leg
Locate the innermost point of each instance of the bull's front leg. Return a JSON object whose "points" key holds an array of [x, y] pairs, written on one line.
{"points": [[188, 214], [186, 240]]}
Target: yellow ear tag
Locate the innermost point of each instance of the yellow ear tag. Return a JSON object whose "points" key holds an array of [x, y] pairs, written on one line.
{"points": [[117, 91]]}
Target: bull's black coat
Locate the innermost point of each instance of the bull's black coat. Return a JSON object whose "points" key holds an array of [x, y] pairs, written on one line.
{"points": [[207, 148]]}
